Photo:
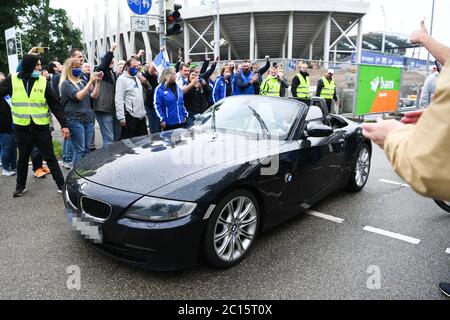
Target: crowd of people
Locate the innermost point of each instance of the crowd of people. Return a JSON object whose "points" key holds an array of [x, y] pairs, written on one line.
{"points": [[133, 98], [127, 100]]}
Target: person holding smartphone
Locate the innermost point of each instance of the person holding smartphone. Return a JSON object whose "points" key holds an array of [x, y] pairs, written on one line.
{"points": [[196, 100], [76, 97], [30, 102]]}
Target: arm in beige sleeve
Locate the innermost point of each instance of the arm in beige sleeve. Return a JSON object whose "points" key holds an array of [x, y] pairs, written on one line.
{"points": [[421, 154]]}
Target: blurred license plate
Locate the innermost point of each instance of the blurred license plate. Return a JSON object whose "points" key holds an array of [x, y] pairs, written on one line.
{"points": [[87, 229]]}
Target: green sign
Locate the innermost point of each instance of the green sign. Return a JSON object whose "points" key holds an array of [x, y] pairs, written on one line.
{"points": [[378, 89]]}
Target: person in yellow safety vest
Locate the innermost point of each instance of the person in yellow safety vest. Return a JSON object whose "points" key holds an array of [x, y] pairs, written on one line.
{"points": [[273, 84], [326, 89], [301, 85], [31, 97]]}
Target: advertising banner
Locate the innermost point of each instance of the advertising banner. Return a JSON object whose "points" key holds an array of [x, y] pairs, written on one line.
{"points": [[378, 89], [11, 49]]}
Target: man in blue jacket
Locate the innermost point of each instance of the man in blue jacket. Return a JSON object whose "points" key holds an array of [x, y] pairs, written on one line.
{"points": [[245, 80], [169, 102]]}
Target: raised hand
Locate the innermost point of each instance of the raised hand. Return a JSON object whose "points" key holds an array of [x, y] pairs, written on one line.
{"points": [[420, 36]]}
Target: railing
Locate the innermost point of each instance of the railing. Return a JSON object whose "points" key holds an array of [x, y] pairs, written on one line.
{"points": [[345, 77]]}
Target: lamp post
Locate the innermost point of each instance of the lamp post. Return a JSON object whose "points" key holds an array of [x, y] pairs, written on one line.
{"points": [[431, 34], [217, 25], [217, 32]]}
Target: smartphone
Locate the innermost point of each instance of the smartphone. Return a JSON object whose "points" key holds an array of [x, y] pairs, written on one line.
{"points": [[43, 50], [438, 66]]}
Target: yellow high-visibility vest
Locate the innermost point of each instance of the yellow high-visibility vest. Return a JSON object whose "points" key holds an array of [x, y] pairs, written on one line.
{"points": [[304, 87], [25, 108], [328, 89], [271, 87]]}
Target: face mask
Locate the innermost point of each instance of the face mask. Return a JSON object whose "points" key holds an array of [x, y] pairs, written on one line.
{"points": [[227, 75], [76, 72], [133, 71], [35, 74]]}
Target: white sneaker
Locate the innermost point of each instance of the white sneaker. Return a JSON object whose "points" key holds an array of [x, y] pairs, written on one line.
{"points": [[8, 173], [67, 165]]}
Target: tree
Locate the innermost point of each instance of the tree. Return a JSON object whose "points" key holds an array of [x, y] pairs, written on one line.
{"points": [[47, 27], [10, 13]]}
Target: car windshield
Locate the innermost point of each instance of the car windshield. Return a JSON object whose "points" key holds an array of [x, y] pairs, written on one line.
{"points": [[272, 118]]}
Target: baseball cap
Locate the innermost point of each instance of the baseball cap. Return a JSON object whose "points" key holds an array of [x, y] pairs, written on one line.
{"points": [[331, 71]]}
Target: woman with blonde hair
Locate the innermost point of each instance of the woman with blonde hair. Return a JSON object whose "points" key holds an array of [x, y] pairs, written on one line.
{"points": [[75, 98], [169, 102]]}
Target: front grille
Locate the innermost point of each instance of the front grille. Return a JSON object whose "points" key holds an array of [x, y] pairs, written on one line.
{"points": [[96, 208], [73, 198]]}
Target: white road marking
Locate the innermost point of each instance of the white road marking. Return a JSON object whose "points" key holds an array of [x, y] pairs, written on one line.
{"points": [[325, 216], [396, 183], [447, 251], [392, 235]]}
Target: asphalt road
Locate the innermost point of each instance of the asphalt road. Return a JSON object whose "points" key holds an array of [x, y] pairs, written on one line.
{"points": [[306, 258]]}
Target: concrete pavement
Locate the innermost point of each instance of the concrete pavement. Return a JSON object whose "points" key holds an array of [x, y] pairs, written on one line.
{"points": [[307, 258]]}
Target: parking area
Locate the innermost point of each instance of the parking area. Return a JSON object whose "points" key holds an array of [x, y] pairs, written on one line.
{"points": [[384, 243]]}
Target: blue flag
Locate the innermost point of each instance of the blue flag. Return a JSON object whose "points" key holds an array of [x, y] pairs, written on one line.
{"points": [[161, 62]]}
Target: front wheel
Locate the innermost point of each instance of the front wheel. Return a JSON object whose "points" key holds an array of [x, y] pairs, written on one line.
{"points": [[445, 205], [231, 230], [360, 169]]}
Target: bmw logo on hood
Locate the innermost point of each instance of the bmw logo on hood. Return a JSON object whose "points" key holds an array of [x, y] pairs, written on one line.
{"points": [[83, 186]]}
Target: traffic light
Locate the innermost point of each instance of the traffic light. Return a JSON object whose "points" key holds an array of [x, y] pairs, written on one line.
{"points": [[174, 21]]}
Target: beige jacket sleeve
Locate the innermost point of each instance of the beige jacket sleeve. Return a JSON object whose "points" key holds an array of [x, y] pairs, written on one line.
{"points": [[420, 154]]}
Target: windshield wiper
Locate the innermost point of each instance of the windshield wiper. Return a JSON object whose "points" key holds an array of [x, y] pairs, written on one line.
{"points": [[261, 121]]}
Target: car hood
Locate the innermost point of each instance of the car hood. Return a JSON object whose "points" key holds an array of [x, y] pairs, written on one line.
{"points": [[145, 164]]}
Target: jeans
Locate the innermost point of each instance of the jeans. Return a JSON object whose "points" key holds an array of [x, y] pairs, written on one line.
{"points": [[109, 127], [8, 151], [67, 151], [80, 135], [153, 120], [92, 143]]}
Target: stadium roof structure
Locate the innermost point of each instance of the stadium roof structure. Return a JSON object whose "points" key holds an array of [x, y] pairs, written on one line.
{"points": [[394, 42], [249, 29]]}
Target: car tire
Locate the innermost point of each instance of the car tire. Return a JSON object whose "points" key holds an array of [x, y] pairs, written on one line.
{"points": [[444, 205], [231, 230], [360, 169]]}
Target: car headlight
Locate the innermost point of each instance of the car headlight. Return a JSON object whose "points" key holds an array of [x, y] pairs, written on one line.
{"points": [[154, 209]]}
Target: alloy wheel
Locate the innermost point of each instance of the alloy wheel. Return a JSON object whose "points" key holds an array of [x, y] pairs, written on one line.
{"points": [[235, 229], [362, 167]]}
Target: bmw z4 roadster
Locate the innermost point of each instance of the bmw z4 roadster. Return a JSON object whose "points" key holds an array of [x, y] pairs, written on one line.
{"points": [[247, 164]]}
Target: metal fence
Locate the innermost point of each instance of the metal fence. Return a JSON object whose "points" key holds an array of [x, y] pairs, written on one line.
{"points": [[345, 77]]}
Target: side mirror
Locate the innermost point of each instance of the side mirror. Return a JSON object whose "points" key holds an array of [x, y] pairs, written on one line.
{"points": [[319, 131]]}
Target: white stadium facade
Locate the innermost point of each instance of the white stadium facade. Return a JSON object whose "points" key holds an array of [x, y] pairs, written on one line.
{"points": [[251, 29]]}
